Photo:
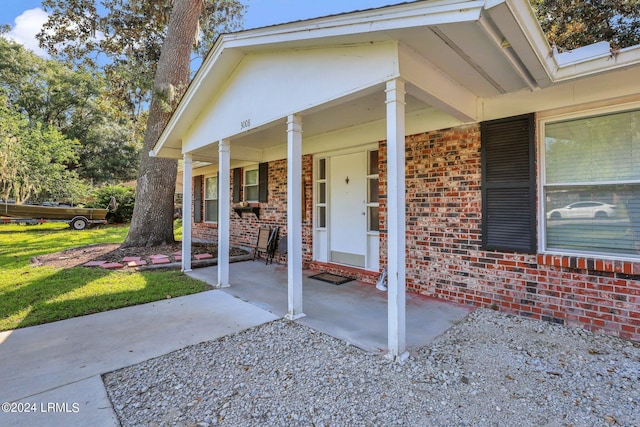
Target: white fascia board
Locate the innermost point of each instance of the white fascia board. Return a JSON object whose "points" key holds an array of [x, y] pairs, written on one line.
{"points": [[171, 153], [536, 52], [573, 94], [523, 36], [238, 152], [419, 121], [408, 15], [595, 59], [435, 88], [585, 53], [249, 154]]}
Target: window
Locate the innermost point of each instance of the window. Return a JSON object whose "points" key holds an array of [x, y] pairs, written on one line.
{"points": [[591, 183], [251, 185], [211, 199], [373, 206], [321, 197]]}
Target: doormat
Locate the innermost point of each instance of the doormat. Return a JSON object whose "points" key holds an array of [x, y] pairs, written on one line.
{"points": [[331, 278]]}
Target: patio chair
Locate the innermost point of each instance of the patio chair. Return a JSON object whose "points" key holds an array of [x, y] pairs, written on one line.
{"points": [[271, 244], [282, 250], [262, 245]]}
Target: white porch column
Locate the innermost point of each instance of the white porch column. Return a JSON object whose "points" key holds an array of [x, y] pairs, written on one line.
{"points": [[224, 159], [187, 210], [294, 216], [396, 219]]}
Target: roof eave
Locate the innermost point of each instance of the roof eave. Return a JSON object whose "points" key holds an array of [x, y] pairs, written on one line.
{"points": [[544, 63], [229, 49]]}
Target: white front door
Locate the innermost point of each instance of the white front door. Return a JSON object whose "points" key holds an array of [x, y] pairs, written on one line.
{"points": [[348, 209]]}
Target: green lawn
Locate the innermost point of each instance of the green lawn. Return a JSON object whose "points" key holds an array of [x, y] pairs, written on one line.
{"points": [[34, 295]]}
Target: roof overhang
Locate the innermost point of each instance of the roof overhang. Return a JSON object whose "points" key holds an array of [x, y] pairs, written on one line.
{"points": [[453, 55]]}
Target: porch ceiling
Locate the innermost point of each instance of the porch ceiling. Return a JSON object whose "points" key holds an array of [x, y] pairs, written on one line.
{"points": [[348, 112]]}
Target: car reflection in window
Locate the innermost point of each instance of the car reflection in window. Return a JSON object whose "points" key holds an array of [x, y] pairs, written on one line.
{"points": [[597, 210]]}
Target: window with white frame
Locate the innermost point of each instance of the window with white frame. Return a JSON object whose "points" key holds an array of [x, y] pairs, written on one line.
{"points": [[591, 183], [211, 199], [373, 206], [251, 185], [321, 196]]}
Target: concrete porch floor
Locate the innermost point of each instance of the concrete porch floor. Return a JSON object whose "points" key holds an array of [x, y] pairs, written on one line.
{"points": [[354, 311]]}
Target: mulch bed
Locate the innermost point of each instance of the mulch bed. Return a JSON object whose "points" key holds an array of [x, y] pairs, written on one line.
{"points": [[110, 252]]}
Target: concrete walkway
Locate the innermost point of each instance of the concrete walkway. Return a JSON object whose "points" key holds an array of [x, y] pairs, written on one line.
{"points": [[354, 312], [54, 370], [51, 374]]}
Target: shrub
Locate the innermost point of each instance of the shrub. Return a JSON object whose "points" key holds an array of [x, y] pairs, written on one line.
{"points": [[125, 198]]}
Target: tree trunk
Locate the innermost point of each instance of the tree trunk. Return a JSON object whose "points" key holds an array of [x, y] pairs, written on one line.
{"points": [[152, 221]]}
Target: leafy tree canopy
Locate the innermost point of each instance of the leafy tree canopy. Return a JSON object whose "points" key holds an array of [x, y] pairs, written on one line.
{"points": [[34, 158], [48, 94], [144, 48], [124, 38], [570, 24]]}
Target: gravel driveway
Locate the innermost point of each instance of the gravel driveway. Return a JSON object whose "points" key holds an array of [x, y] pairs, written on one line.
{"points": [[491, 369]]}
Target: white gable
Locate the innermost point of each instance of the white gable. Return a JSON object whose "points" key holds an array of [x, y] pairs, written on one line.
{"points": [[267, 86]]}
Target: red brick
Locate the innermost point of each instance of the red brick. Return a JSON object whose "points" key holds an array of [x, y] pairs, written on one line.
{"points": [[444, 254], [94, 263], [112, 266]]}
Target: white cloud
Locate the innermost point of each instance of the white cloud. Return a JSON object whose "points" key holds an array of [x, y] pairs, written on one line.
{"points": [[27, 25]]}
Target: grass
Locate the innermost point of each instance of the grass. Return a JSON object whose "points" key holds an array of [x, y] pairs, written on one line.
{"points": [[32, 295]]}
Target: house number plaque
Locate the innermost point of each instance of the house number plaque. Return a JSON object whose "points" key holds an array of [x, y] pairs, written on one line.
{"points": [[245, 124]]}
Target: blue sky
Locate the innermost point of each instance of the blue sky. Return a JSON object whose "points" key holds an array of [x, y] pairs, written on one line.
{"points": [[26, 16]]}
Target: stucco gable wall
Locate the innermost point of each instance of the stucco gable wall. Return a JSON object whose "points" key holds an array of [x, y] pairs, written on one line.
{"points": [[268, 86]]}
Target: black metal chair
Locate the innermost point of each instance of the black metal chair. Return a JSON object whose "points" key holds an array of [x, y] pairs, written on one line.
{"points": [[272, 244], [282, 249]]}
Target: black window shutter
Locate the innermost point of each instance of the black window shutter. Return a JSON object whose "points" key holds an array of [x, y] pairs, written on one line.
{"points": [[237, 184], [197, 198], [509, 184], [263, 182]]}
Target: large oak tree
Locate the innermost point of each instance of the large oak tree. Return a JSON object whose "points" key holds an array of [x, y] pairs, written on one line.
{"points": [[147, 50]]}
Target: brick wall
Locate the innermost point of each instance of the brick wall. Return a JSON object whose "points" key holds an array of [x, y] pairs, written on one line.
{"points": [[244, 230], [444, 255], [445, 259]]}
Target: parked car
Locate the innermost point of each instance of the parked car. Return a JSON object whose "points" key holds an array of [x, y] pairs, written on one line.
{"points": [[596, 210]]}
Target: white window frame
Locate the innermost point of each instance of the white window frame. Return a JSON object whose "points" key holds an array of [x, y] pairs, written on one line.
{"points": [[371, 204], [256, 185], [205, 199], [543, 120], [318, 185]]}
